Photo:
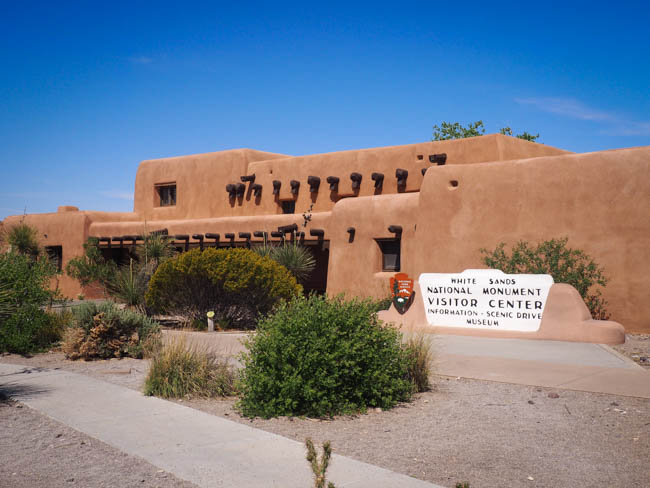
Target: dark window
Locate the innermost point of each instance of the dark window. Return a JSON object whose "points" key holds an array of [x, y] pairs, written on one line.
{"points": [[390, 254], [288, 206], [55, 253], [167, 194]]}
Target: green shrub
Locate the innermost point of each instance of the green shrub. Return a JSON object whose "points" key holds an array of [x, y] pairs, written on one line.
{"points": [[382, 303], [178, 371], [31, 329], [102, 331], [237, 284], [91, 267], [320, 357], [565, 265], [24, 326]]}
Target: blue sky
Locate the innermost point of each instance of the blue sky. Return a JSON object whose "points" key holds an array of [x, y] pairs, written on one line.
{"points": [[87, 90]]}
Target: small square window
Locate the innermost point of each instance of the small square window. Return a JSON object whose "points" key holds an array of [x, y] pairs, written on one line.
{"points": [[288, 206], [167, 194], [390, 254], [55, 254]]}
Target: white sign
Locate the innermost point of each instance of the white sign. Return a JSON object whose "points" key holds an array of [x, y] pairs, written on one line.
{"points": [[485, 299]]}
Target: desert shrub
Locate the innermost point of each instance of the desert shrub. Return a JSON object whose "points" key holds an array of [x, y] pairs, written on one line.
{"points": [[320, 357], [24, 326], [31, 329], [8, 305], [382, 303], [565, 265], [237, 284], [126, 282], [102, 331], [420, 357], [179, 370], [91, 267]]}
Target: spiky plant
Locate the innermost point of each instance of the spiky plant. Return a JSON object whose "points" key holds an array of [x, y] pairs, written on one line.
{"points": [[155, 248], [129, 284], [296, 258], [23, 239], [319, 468]]}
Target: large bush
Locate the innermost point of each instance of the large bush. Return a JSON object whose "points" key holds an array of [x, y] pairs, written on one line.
{"points": [[102, 331], [237, 284], [319, 357], [565, 265], [24, 326]]}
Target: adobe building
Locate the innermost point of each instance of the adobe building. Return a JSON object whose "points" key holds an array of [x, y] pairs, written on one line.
{"points": [[417, 208]]}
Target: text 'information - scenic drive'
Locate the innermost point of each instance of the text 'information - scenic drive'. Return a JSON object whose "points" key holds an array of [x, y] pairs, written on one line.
{"points": [[485, 299]]}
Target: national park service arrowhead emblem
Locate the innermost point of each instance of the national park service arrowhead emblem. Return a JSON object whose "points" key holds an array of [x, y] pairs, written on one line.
{"points": [[402, 290]]}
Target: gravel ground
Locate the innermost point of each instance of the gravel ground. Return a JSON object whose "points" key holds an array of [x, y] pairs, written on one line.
{"points": [[636, 347], [488, 434], [36, 451]]}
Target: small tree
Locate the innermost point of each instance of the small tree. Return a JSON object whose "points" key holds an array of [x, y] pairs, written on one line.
{"points": [[453, 130], [565, 265], [507, 131]]}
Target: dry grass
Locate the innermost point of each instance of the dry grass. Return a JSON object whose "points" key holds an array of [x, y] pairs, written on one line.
{"points": [[179, 370], [419, 350]]}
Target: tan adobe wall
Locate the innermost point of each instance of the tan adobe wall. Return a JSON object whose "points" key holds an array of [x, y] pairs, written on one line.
{"points": [[200, 181], [356, 267], [67, 228], [600, 201]]}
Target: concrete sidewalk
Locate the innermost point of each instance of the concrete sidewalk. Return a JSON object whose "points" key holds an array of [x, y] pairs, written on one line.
{"points": [[567, 365], [556, 364], [204, 449]]}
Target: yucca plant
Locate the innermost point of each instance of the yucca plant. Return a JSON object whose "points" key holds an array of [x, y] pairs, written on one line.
{"points": [[155, 248], [129, 284], [296, 258], [23, 239]]}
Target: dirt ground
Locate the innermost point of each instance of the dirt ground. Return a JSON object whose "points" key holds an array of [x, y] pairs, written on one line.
{"points": [[488, 434], [636, 347], [36, 451]]}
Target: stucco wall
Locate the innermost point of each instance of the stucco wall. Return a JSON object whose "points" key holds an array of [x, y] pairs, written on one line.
{"points": [[200, 181], [600, 201], [67, 228]]}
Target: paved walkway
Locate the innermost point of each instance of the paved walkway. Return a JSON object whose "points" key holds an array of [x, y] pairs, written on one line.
{"points": [[567, 365], [205, 449]]}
